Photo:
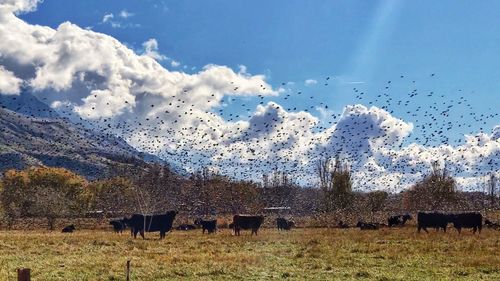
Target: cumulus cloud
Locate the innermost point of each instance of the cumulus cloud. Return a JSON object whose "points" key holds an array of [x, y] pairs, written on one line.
{"points": [[102, 77], [9, 83], [360, 130], [19, 6]]}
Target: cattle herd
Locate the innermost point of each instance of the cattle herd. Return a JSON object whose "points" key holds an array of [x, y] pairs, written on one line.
{"points": [[163, 223], [441, 220]]}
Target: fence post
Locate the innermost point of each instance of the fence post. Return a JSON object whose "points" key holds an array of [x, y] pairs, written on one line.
{"points": [[23, 274], [128, 270]]}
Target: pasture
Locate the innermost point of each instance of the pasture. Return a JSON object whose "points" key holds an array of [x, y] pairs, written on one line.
{"points": [[300, 254]]}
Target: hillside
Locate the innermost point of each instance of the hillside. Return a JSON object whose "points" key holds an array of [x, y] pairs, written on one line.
{"points": [[52, 141]]}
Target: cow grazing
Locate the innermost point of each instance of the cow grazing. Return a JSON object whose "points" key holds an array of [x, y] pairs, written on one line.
{"points": [[118, 225], [367, 226], [467, 220], [284, 224], [490, 224], [246, 222], [152, 223], [435, 220], [399, 220], [342, 224], [185, 227], [68, 229], [210, 226]]}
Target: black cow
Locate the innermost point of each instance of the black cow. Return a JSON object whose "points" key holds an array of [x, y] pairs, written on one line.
{"points": [[68, 229], [210, 226], [118, 225], [435, 220], [246, 222], [152, 223], [284, 224], [490, 224], [185, 227], [367, 226], [128, 223], [342, 225], [399, 220], [467, 220]]}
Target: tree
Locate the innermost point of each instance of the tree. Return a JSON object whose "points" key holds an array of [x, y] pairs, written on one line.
{"points": [[156, 189], [281, 193], [42, 192], [265, 181], [436, 191], [492, 192], [376, 200], [335, 182], [115, 196], [14, 185]]}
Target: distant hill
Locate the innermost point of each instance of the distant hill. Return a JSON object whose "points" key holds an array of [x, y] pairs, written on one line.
{"points": [[35, 135], [27, 104]]}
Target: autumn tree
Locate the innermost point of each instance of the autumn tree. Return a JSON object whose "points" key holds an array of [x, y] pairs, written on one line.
{"points": [[116, 196], [42, 192], [12, 196]]}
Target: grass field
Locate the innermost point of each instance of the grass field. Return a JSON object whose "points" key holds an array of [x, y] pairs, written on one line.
{"points": [[301, 254]]}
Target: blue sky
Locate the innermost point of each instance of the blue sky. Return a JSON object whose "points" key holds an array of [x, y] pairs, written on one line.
{"points": [[291, 41]]}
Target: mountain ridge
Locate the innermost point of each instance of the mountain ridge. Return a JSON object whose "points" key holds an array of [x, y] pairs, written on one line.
{"points": [[39, 137]]}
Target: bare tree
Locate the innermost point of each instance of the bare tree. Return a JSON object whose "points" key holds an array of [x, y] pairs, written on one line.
{"points": [[436, 191], [335, 182], [492, 191]]}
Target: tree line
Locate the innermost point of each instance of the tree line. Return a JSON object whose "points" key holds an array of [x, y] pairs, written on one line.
{"points": [[53, 193]]}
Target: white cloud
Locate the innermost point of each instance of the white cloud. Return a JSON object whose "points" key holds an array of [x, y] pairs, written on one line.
{"points": [[9, 83], [107, 18], [325, 113], [151, 49], [101, 77], [310, 82], [124, 14], [19, 6], [115, 24], [112, 20], [496, 133]]}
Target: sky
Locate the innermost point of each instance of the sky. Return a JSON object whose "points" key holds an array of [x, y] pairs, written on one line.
{"points": [[294, 41], [427, 69]]}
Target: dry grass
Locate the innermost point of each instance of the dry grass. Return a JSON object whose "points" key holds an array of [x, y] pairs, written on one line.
{"points": [[301, 254]]}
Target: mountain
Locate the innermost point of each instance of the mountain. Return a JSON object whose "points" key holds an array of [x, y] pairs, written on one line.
{"points": [[32, 134], [27, 104]]}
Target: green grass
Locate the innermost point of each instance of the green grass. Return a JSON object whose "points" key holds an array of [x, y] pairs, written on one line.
{"points": [[301, 254]]}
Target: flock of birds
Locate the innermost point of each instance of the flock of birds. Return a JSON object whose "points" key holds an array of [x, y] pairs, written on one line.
{"points": [[277, 141]]}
